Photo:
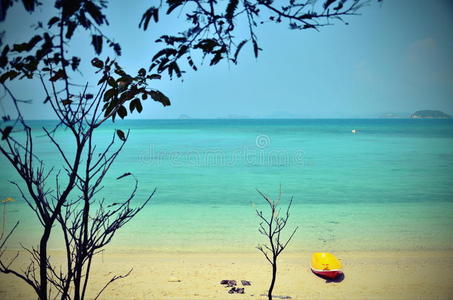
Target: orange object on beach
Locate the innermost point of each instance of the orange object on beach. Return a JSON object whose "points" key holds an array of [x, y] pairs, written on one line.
{"points": [[326, 265]]}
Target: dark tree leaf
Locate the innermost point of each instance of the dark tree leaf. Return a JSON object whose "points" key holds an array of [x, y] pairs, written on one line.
{"points": [[34, 40], [139, 106], [69, 8], [255, 48], [191, 63], [159, 97], [46, 47], [175, 67], [109, 107], [146, 17], [95, 12], [217, 57], [60, 74], [207, 45], [96, 41], [328, 3], [182, 50], [109, 94], [238, 49], [112, 82], [173, 4], [125, 174], [135, 105], [6, 131], [83, 20], [66, 102], [121, 136], [75, 62], [142, 72], [156, 15], [122, 112], [116, 48], [127, 95], [71, 26], [96, 62], [124, 81], [27, 46], [29, 5], [339, 5], [5, 4], [231, 8], [103, 79], [8, 75], [4, 57], [154, 76], [167, 52], [52, 21]]}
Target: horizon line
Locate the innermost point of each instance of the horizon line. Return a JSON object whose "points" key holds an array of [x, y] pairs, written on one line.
{"points": [[319, 118]]}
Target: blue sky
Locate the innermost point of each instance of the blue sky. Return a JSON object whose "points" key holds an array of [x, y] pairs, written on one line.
{"points": [[394, 58]]}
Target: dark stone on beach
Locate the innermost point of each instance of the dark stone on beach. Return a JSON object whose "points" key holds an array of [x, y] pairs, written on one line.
{"points": [[235, 290], [245, 282], [229, 283]]}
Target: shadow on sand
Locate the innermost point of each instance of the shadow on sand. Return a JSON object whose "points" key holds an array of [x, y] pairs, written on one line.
{"points": [[337, 279]]}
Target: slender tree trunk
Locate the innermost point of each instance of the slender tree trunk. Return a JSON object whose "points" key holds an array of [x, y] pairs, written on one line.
{"points": [[77, 276], [78, 293], [77, 283], [43, 263], [274, 275]]}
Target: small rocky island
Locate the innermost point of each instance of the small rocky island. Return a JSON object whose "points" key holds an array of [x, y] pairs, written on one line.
{"points": [[430, 114], [184, 117]]}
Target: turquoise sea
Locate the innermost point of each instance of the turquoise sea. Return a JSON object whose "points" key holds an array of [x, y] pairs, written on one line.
{"points": [[387, 187]]}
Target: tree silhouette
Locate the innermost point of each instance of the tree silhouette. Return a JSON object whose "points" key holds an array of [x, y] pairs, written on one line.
{"points": [[220, 30], [271, 227], [214, 30], [86, 228], [73, 202]]}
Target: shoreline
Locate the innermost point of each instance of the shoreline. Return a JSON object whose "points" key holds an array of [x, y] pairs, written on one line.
{"points": [[368, 275]]}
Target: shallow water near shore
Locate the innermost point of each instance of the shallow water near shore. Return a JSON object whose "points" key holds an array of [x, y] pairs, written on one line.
{"points": [[387, 187]]}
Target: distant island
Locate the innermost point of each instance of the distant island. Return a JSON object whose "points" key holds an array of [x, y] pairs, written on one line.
{"points": [[430, 114], [234, 116], [394, 116], [184, 117]]}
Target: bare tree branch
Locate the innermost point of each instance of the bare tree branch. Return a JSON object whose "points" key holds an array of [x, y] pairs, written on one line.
{"points": [[275, 225]]}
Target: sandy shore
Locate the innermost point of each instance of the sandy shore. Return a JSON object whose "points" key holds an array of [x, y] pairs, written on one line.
{"points": [[368, 275]]}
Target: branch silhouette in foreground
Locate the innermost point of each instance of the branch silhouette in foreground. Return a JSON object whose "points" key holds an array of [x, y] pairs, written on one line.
{"points": [[271, 226], [66, 194]]}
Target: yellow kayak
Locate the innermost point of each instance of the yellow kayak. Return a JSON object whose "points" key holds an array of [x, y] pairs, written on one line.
{"points": [[326, 265]]}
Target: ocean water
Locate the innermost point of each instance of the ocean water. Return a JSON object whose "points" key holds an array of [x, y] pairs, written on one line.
{"points": [[387, 187]]}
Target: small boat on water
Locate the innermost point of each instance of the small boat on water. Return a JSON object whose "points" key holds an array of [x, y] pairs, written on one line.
{"points": [[326, 265]]}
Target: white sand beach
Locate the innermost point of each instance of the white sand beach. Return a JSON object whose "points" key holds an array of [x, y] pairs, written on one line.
{"points": [[368, 275]]}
